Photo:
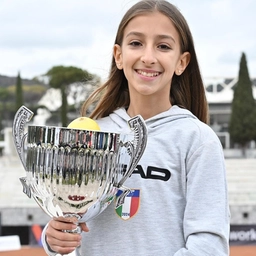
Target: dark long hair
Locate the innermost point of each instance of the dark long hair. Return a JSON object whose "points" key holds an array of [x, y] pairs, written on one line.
{"points": [[187, 90]]}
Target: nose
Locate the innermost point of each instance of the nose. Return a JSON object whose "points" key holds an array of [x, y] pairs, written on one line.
{"points": [[148, 56]]}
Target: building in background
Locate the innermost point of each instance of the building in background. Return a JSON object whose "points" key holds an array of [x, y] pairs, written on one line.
{"points": [[219, 93]]}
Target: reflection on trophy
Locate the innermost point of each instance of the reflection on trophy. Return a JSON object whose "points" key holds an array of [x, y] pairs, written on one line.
{"points": [[75, 174]]}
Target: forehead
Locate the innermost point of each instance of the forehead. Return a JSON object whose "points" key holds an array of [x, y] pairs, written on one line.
{"points": [[154, 23]]}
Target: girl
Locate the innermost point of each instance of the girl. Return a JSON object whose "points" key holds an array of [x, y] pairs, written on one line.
{"points": [[181, 176]]}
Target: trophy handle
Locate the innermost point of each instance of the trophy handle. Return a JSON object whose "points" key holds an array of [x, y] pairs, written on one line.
{"points": [[22, 116], [137, 147]]}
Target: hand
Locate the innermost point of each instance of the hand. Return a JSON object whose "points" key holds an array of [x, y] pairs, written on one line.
{"points": [[60, 241]]}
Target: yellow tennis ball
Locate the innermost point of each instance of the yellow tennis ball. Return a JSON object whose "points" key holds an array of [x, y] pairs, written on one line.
{"points": [[84, 123]]}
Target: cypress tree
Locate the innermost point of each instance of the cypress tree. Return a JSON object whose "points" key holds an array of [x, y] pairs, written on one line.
{"points": [[243, 122], [19, 92]]}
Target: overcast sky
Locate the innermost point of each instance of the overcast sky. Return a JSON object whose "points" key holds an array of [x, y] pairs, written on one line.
{"points": [[36, 35]]}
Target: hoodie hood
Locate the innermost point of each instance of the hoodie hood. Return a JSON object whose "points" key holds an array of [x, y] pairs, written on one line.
{"points": [[119, 118]]}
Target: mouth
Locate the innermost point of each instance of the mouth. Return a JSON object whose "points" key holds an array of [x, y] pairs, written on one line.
{"points": [[75, 205], [148, 73], [76, 198]]}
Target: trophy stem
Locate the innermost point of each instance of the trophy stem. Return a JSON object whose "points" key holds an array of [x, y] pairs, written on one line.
{"points": [[74, 218]]}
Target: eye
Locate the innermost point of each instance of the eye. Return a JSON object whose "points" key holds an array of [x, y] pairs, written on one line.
{"points": [[164, 47], [135, 43]]}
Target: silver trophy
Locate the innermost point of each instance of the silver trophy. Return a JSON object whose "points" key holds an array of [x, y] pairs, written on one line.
{"points": [[72, 173]]}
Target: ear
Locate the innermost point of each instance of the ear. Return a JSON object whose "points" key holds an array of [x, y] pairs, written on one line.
{"points": [[182, 63], [117, 53]]}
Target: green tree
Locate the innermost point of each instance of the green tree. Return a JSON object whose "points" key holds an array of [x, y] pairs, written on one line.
{"points": [[4, 98], [243, 122], [19, 92], [61, 77]]}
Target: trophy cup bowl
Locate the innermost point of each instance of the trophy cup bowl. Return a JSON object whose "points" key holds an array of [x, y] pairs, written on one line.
{"points": [[72, 173]]}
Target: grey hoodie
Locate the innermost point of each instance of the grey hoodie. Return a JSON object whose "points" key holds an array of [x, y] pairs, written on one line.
{"points": [[179, 205]]}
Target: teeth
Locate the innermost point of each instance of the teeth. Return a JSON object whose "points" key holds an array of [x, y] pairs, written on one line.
{"points": [[148, 74], [76, 198]]}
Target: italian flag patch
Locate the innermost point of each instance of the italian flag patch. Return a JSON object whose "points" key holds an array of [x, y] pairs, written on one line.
{"points": [[130, 206]]}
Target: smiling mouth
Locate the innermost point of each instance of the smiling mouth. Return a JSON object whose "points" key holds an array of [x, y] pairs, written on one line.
{"points": [[76, 198], [148, 74]]}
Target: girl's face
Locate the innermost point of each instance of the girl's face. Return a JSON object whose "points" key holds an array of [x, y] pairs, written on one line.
{"points": [[149, 56]]}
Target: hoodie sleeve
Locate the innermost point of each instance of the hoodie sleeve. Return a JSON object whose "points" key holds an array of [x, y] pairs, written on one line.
{"points": [[206, 217]]}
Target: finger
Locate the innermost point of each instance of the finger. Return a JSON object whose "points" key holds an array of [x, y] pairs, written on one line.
{"points": [[84, 227], [62, 242], [59, 244], [60, 225], [61, 235]]}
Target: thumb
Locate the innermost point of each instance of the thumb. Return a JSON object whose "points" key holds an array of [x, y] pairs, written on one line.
{"points": [[84, 227]]}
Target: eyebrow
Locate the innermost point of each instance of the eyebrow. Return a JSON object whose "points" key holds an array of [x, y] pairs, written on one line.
{"points": [[134, 33]]}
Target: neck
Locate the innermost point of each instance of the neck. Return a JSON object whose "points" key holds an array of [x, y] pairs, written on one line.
{"points": [[147, 109]]}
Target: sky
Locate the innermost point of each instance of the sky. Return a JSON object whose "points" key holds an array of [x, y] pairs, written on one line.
{"points": [[36, 35]]}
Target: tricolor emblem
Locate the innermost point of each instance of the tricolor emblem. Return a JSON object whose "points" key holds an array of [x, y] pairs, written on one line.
{"points": [[130, 206]]}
